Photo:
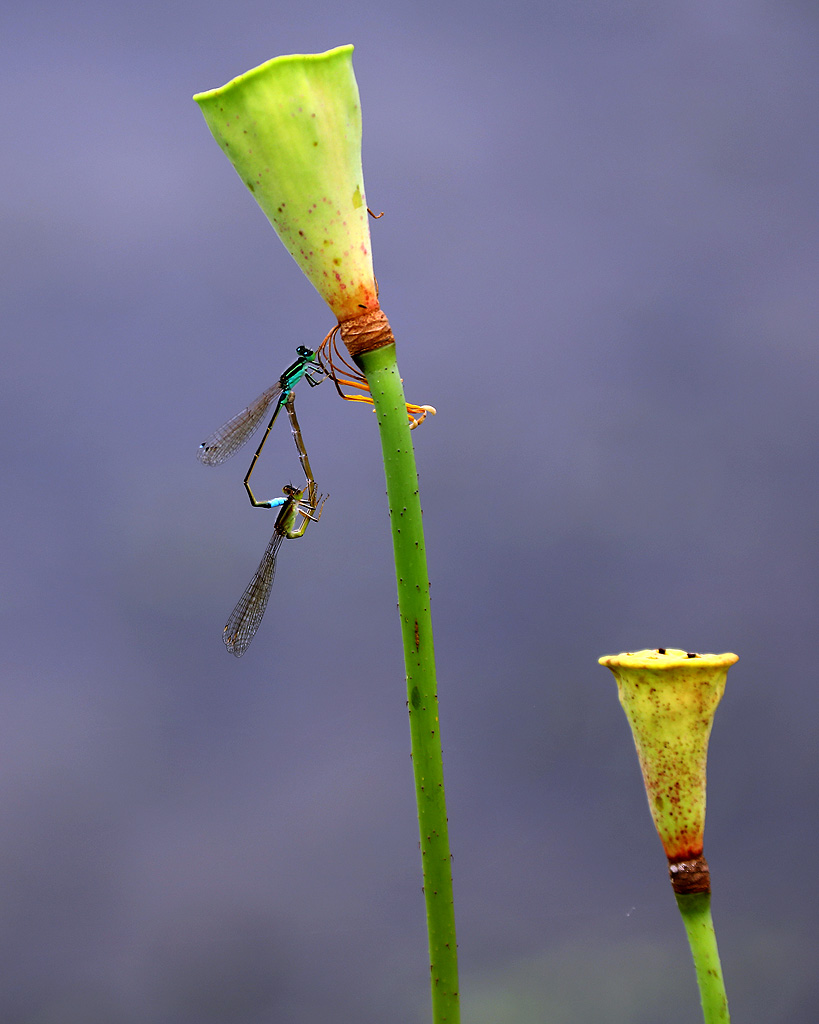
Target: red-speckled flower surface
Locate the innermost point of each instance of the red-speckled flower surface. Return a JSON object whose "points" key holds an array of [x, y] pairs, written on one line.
{"points": [[669, 697]]}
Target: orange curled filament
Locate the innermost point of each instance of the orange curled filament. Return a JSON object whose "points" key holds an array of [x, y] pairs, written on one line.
{"points": [[344, 374]]}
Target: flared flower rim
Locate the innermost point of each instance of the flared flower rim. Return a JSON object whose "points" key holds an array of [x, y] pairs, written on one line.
{"points": [[666, 658], [287, 58]]}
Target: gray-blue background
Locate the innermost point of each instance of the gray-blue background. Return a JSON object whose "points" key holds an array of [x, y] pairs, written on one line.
{"points": [[600, 258]]}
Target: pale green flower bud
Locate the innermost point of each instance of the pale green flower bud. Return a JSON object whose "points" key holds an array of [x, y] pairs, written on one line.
{"points": [[292, 130]]}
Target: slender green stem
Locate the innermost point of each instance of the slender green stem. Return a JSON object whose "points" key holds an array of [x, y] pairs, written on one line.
{"points": [[381, 371], [696, 914]]}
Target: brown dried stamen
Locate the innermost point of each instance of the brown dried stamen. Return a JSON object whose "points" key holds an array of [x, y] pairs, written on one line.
{"points": [[367, 332], [690, 876]]}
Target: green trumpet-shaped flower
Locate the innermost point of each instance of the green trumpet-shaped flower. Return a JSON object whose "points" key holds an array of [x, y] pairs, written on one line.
{"points": [[669, 697], [292, 130]]}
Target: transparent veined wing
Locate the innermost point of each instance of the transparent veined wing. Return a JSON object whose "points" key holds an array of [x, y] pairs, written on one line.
{"points": [[230, 437], [247, 615]]}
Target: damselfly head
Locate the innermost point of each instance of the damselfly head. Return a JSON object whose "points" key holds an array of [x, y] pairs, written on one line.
{"points": [[304, 351]]}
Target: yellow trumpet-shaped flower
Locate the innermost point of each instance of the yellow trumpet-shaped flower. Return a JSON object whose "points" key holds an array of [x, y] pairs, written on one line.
{"points": [[669, 697]]}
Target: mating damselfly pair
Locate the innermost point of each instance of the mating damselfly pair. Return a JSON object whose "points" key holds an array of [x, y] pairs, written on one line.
{"points": [[246, 617]]}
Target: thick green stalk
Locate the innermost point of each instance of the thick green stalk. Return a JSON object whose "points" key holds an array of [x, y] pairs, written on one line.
{"points": [[381, 371], [696, 914]]}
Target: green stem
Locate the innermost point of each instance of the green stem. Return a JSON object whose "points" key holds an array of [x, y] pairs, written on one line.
{"points": [[381, 371], [696, 914]]}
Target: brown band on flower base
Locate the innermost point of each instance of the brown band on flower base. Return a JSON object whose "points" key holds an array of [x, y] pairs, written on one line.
{"points": [[690, 876], [369, 331]]}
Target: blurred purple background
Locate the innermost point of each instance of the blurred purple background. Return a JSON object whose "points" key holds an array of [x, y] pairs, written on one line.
{"points": [[599, 256]]}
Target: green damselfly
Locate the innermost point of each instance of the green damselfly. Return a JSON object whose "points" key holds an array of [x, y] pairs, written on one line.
{"points": [[231, 436]]}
